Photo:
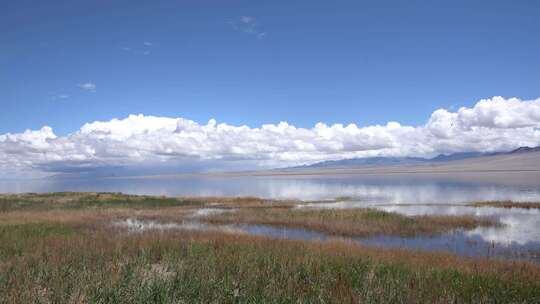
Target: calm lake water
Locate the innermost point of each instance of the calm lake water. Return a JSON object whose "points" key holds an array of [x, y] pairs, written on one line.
{"points": [[410, 194], [388, 188]]}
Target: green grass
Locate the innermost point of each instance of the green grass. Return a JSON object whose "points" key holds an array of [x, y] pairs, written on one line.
{"points": [[74, 200], [145, 202], [33, 230], [17, 239]]}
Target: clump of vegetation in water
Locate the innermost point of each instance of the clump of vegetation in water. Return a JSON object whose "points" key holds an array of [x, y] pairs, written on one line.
{"points": [[352, 222]]}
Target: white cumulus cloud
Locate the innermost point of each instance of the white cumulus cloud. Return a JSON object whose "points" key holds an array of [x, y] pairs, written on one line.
{"points": [[88, 86], [490, 125], [248, 25]]}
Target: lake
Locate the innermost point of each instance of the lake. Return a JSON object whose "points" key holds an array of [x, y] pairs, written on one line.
{"points": [[387, 188]]}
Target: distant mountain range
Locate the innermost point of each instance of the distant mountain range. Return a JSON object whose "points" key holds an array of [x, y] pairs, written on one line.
{"points": [[525, 150], [523, 158], [396, 161]]}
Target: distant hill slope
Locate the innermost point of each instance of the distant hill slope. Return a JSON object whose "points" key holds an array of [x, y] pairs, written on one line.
{"points": [[366, 162], [456, 156], [511, 161], [525, 150], [459, 159]]}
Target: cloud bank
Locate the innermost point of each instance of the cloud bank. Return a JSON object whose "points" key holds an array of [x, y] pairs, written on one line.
{"points": [[495, 124]]}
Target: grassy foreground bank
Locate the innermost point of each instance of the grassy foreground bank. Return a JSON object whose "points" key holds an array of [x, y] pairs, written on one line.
{"points": [[74, 255], [54, 263]]}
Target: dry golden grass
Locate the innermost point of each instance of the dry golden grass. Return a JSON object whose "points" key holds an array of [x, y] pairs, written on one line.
{"points": [[243, 202], [87, 216]]}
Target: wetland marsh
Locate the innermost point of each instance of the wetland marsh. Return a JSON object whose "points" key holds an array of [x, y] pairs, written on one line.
{"points": [[116, 248]]}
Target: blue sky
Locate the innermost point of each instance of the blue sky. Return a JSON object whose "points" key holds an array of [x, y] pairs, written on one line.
{"points": [[365, 62]]}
